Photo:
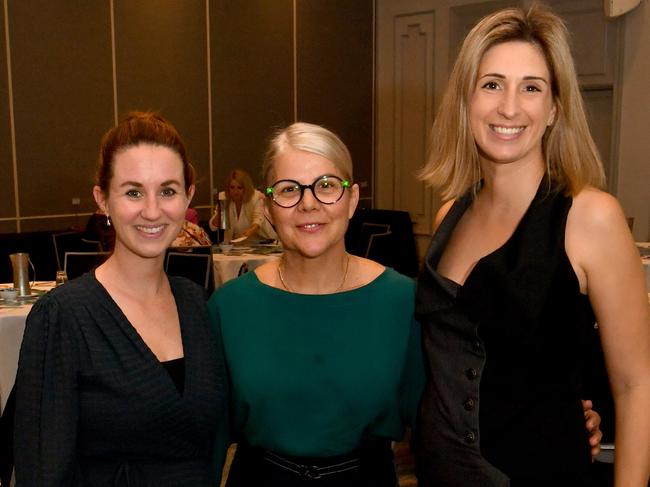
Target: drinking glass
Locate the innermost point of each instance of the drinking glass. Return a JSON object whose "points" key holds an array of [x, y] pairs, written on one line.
{"points": [[61, 278]]}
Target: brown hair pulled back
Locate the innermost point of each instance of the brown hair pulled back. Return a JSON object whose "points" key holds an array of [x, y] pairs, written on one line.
{"points": [[140, 128]]}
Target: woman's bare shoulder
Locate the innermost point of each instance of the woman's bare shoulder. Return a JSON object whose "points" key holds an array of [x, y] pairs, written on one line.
{"points": [[596, 231], [594, 210]]}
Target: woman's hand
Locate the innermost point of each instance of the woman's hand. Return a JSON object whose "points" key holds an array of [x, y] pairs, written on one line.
{"points": [[592, 423], [251, 231]]}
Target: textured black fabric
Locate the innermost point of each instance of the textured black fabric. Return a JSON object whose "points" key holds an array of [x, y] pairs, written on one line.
{"points": [[505, 353], [176, 370], [7, 438], [96, 408]]}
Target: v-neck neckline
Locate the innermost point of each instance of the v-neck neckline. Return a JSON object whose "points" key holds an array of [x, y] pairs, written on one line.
{"points": [[142, 345], [451, 220]]}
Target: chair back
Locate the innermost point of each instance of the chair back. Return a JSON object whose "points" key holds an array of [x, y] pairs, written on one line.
{"points": [[194, 263], [385, 236], [72, 241], [77, 263]]}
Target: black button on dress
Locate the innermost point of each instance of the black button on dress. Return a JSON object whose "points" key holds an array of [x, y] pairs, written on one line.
{"points": [[505, 352]]}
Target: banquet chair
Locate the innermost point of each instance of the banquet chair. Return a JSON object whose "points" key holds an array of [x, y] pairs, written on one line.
{"points": [[72, 241], [385, 236], [194, 263], [77, 263], [374, 233]]}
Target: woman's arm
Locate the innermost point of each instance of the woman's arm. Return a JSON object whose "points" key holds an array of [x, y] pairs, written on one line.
{"points": [[608, 266], [215, 221], [46, 400], [256, 208]]}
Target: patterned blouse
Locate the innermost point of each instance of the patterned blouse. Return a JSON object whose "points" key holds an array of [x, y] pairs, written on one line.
{"points": [[191, 235]]}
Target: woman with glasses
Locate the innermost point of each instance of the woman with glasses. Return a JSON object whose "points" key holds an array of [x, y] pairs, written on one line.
{"points": [[325, 364]]}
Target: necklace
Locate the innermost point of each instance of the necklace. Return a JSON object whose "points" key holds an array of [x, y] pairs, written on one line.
{"points": [[345, 274]]}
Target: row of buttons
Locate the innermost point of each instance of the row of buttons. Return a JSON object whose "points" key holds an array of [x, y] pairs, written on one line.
{"points": [[470, 403]]}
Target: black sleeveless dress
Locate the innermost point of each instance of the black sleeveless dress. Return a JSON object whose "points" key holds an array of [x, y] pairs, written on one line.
{"points": [[505, 354]]}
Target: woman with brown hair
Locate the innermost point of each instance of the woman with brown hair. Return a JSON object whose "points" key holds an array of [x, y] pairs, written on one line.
{"points": [[120, 379]]}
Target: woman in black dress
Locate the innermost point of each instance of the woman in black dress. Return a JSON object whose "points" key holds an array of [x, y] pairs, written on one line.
{"points": [[119, 380], [527, 254]]}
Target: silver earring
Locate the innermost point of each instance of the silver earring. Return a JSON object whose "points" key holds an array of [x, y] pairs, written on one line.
{"points": [[108, 221]]}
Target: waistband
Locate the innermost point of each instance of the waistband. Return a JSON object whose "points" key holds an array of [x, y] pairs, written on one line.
{"points": [[313, 468]]}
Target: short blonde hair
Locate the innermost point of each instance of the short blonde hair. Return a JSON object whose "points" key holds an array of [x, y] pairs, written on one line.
{"points": [[570, 154], [311, 138]]}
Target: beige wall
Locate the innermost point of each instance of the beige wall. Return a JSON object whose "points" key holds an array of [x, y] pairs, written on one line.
{"points": [[633, 188], [613, 61]]}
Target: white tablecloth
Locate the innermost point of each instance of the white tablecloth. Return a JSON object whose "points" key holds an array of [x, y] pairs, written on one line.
{"points": [[227, 267], [644, 250], [12, 326]]}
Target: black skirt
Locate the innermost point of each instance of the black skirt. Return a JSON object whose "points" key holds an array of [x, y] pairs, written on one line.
{"points": [[370, 466]]}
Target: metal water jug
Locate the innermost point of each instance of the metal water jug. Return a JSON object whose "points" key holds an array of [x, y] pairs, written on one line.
{"points": [[20, 263], [224, 223]]}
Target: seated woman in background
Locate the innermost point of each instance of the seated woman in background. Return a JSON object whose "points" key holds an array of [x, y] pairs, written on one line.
{"points": [[245, 209], [120, 381]]}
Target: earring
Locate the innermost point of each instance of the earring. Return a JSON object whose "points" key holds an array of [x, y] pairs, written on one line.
{"points": [[108, 221]]}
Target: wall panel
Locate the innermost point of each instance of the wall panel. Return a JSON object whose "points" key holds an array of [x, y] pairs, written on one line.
{"points": [[251, 49], [61, 67], [414, 61], [335, 81], [161, 65], [7, 204]]}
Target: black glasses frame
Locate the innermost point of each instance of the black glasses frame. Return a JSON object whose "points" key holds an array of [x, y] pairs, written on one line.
{"points": [[344, 183]]}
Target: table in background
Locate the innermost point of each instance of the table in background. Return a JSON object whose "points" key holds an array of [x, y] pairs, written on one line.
{"points": [[12, 327], [644, 250], [232, 264]]}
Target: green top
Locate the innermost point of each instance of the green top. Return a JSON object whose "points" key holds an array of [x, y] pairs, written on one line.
{"points": [[312, 375]]}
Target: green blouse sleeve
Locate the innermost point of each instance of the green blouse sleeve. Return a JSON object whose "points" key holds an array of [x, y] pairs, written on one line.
{"points": [[222, 438], [413, 377]]}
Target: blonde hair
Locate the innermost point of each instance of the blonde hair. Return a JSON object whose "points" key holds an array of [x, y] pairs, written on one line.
{"points": [[311, 138], [570, 154], [242, 177]]}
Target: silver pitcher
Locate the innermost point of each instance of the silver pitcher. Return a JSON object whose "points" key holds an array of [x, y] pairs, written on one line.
{"points": [[20, 263]]}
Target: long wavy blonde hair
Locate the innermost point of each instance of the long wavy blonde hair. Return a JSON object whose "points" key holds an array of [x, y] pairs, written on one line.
{"points": [[570, 154]]}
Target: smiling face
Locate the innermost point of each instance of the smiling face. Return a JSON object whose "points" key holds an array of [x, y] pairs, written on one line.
{"points": [[146, 199], [310, 228], [512, 104]]}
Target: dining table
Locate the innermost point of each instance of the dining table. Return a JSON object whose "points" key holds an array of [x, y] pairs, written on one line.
{"points": [[239, 260], [13, 315], [644, 251]]}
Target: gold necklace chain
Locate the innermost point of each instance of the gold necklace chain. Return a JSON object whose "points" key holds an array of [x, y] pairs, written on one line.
{"points": [[345, 274]]}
